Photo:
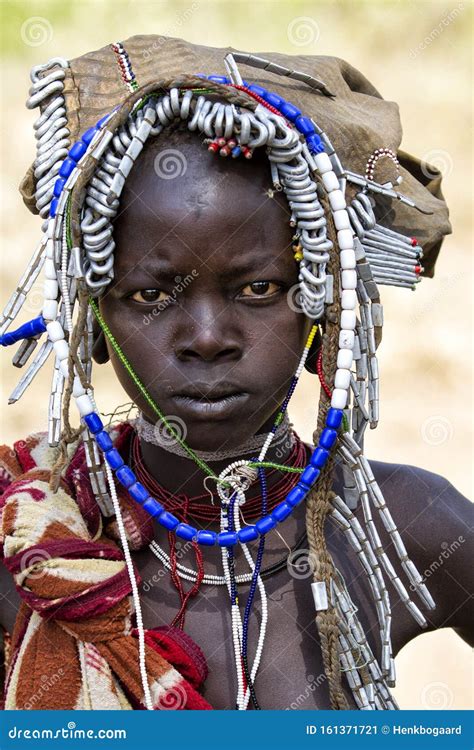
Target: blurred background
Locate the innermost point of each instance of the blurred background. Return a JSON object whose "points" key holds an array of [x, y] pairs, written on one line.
{"points": [[415, 53]]}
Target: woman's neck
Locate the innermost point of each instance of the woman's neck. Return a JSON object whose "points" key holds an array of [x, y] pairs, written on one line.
{"points": [[180, 474]]}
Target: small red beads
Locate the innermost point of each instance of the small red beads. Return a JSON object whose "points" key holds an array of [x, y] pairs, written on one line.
{"points": [[319, 369], [257, 98], [228, 147], [123, 60]]}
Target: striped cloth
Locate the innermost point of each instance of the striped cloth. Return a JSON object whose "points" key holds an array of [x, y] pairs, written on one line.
{"points": [[74, 644]]}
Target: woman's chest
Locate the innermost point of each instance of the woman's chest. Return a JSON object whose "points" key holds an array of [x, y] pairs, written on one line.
{"points": [[291, 672]]}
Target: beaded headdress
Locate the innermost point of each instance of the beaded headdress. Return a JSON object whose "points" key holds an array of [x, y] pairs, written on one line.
{"points": [[342, 186]]}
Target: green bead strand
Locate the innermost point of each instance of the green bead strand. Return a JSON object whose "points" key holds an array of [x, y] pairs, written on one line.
{"points": [[145, 393]]}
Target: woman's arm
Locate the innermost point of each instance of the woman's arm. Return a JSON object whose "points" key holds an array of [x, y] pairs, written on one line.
{"points": [[435, 522]]}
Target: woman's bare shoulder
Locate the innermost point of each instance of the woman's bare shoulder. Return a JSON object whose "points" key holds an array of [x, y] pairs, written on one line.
{"points": [[422, 499], [435, 521]]}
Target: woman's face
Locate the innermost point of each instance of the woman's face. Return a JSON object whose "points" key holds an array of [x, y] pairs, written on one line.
{"points": [[199, 301]]}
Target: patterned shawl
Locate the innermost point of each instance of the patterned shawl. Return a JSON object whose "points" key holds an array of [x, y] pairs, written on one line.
{"points": [[74, 645]]}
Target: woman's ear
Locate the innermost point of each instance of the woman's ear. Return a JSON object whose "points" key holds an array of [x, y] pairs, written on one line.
{"points": [[100, 352]]}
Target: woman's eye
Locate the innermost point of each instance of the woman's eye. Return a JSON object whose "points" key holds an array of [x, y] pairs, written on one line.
{"points": [[260, 289], [148, 296]]}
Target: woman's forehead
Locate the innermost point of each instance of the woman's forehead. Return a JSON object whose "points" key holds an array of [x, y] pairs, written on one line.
{"points": [[164, 263], [206, 207], [222, 246], [180, 173]]}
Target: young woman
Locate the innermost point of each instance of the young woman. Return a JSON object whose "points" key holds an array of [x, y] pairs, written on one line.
{"points": [[157, 564]]}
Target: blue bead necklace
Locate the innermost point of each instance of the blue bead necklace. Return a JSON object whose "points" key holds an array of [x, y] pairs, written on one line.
{"points": [[140, 494]]}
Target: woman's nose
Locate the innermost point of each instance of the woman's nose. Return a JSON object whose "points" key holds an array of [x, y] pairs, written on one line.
{"points": [[209, 336]]}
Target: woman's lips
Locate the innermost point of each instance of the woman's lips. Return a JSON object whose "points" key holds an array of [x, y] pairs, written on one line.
{"points": [[207, 408]]}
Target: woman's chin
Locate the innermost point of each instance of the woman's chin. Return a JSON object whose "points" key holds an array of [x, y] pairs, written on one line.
{"points": [[214, 437], [211, 426]]}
